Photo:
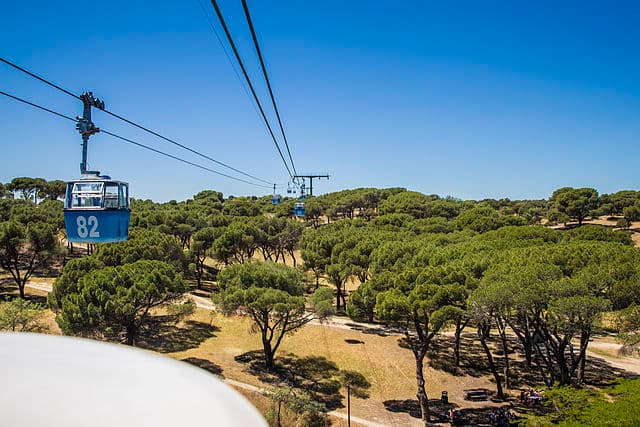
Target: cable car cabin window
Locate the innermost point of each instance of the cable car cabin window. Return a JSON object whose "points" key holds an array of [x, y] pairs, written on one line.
{"points": [[124, 195], [87, 195], [68, 195], [111, 195], [88, 187]]}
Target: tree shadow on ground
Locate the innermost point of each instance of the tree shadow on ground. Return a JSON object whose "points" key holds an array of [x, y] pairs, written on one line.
{"points": [[164, 335], [473, 361], [480, 416], [598, 372], [440, 356], [380, 330], [439, 411], [316, 375], [207, 287], [205, 364], [9, 294], [203, 293]]}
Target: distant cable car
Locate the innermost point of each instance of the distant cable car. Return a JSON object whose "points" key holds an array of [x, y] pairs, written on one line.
{"points": [[276, 199], [298, 209], [96, 210], [303, 192]]}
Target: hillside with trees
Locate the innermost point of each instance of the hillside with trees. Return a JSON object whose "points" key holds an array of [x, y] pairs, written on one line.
{"points": [[513, 291]]}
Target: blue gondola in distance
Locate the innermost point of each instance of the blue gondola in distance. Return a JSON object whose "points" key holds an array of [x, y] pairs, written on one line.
{"points": [[276, 199], [298, 209]]}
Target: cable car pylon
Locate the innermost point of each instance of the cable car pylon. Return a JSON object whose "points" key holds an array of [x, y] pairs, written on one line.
{"points": [[86, 127], [310, 177], [298, 207]]}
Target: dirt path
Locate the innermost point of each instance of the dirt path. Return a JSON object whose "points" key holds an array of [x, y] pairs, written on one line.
{"points": [[40, 286], [202, 302], [610, 352], [348, 324]]}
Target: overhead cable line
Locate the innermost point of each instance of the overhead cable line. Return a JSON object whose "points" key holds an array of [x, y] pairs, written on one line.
{"points": [[42, 79], [226, 53], [38, 106], [266, 77], [234, 67], [248, 80], [136, 124], [133, 142], [184, 147], [183, 160]]}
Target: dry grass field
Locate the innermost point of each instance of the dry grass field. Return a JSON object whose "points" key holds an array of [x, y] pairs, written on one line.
{"points": [[319, 354]]}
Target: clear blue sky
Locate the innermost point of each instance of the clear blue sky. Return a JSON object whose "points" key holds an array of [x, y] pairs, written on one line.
{"points": [[499, 99]]}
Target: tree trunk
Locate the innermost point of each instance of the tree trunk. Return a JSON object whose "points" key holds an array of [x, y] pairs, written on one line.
{"points": [[505, 350], [561, 360], [131, 334], [584, 341], [525, 338], [422, 393], [548, 380], [460, 325], [268, 352], [199, 273], [339, 295], [526, 344], [482, 334]]}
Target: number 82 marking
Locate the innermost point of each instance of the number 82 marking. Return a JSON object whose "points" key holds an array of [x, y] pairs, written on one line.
{"points": [[83, 230]]}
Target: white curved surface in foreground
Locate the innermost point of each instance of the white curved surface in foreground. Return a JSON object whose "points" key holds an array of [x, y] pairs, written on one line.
{"points": [[60, 381]]}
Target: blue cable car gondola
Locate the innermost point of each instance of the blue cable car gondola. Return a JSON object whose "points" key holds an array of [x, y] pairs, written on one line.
{"points": [[298, 209], [276, 199], [96, 210]]}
